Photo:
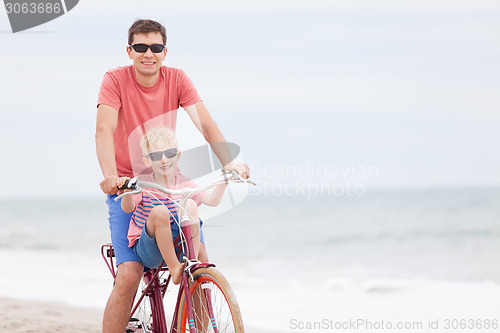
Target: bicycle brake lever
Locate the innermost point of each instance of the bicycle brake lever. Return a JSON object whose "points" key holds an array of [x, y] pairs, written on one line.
{"points": [[250, 182], [236, 177], [127, 193]]}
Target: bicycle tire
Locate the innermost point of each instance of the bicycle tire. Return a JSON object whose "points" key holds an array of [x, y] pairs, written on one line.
{"points": [[226, 312]]}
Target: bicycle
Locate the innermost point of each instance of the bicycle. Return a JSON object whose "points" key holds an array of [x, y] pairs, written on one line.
{"points": [[205, 301]]}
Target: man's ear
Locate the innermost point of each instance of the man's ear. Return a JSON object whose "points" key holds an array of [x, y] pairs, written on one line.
{"points": [[147, 161], [178, 155], [129, 50]]}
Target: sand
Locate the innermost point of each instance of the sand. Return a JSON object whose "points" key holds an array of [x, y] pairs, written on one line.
{"points": [[33, 316]]}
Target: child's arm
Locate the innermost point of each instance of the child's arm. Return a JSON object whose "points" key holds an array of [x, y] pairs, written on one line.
{"points": [[214, 198], [128, 203]]}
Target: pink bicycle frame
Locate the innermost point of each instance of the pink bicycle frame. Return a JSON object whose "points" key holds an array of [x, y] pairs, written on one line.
{"points": [[156, 289]]}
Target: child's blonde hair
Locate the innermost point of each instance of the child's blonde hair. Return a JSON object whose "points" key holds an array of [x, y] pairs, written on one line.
{"points": [[156, 136]]}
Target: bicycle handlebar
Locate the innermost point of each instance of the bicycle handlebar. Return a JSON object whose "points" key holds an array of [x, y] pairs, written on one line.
{"points": [[136, 185]]}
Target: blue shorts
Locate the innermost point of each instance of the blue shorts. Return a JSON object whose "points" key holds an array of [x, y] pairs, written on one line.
{"points": [[119, 222], [147, 251]]}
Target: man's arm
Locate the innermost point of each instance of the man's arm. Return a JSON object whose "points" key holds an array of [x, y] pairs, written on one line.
{"points": [[107, 119], [208, 127]]}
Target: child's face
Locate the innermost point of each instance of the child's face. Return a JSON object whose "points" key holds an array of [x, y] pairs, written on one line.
{"points": [[163, 158]]}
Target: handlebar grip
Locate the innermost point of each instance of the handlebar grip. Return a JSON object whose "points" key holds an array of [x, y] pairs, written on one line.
{"points": [[130, 184], [125, 186]]}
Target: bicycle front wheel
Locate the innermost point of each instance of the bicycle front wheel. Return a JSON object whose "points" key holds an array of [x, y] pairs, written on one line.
{"points": [[214, 305]]}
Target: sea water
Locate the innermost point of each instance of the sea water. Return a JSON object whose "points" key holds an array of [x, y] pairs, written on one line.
{"points": [[398, 260]]}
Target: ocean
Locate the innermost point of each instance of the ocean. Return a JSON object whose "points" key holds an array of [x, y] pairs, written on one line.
{"points": [[412, 260]]}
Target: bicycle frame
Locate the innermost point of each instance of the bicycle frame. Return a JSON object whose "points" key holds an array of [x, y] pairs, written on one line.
{"points": [[155, 288]]}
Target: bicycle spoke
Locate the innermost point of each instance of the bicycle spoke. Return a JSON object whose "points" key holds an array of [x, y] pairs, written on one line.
{"points": [[214, 307]]}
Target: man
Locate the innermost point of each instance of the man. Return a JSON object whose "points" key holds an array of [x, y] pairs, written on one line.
{"points": [[131, 100]]}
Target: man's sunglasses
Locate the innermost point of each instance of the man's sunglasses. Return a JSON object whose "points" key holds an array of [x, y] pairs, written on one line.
{"points": [[142, 48], [158, 155]]}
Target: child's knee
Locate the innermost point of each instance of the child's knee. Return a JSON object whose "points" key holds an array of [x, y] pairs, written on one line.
{"points": [[160, 214], [192, 207]]}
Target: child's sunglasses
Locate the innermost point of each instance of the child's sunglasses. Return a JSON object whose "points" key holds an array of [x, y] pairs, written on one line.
{"points": [[158, 155], [142, 48]]}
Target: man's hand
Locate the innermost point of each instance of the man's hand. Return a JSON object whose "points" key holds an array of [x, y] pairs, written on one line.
{"points": [[109, 185], [241, 168], [121, 181]]}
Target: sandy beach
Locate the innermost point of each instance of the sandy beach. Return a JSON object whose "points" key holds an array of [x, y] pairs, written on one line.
{"points": [[33, 316]]}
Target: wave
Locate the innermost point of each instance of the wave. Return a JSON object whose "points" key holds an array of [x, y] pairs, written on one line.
{"points": [[409, 235]]}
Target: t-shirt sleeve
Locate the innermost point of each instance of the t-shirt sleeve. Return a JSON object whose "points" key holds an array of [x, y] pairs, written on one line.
{"points": [[183, 181], [109, 93], [196, 197], [137, 199], [187, 92]]}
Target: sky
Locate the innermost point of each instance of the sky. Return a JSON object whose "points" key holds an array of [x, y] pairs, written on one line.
{"points": [[376, 94]]}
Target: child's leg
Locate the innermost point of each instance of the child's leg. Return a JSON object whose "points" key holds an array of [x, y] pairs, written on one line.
{"points": [[192, 209], [158, 225], [202, 255]]}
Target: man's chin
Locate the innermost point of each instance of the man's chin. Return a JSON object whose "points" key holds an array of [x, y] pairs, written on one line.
{"points": [[148, 71]]}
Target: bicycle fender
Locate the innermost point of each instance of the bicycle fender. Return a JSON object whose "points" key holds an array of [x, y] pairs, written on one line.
{"points": [[201, 265]]}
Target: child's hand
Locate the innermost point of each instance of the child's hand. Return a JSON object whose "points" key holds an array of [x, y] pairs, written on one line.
{"points": [[120, 182]]}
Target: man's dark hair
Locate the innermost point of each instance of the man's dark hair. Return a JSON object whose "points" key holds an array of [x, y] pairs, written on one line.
{"points": [[146, 26]]}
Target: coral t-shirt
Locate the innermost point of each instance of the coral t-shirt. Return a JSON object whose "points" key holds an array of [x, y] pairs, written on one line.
{"points": [[141, 108]]}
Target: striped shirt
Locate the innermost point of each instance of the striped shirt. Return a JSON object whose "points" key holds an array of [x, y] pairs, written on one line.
{"points": [[146, 201]]}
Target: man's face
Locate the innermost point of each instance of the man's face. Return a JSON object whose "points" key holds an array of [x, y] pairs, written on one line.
{"points": [[147, 63]]}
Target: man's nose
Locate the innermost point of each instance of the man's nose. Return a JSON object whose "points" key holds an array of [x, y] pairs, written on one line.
{"points": [[148, 52]]}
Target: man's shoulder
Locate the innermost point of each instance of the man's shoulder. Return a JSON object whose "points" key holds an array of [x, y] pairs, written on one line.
{"points": [[172, 71], [122, 71]]}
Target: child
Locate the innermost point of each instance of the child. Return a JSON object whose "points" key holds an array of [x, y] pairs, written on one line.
{"points": [[152, 228]]}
